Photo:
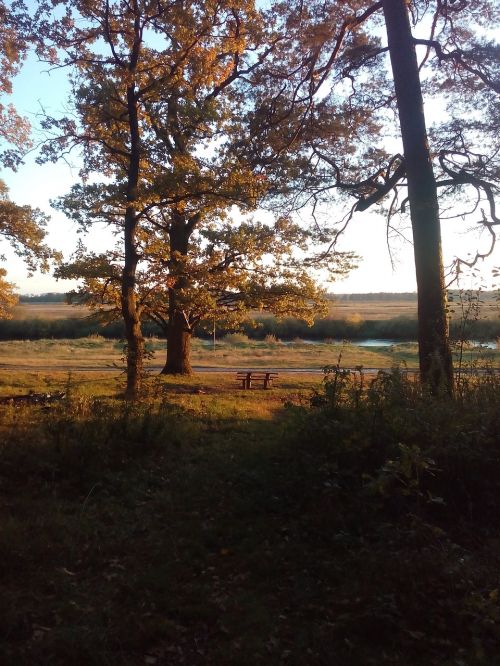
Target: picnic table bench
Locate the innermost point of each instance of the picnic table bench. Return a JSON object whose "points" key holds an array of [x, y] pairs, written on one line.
{"points": [[246, 377]]}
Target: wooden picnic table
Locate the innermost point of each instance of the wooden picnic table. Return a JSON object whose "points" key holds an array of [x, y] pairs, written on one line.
{"points": [[246, 377]]}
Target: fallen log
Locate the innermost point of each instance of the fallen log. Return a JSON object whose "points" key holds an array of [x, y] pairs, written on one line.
{"points": [[32, 398]]}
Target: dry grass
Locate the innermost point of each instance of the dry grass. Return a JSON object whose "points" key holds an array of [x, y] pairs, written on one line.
{"points": [[340, 309], [372, 310], [49, 311], [100, 354], [210, 395], [381, 310], [101, 358]]}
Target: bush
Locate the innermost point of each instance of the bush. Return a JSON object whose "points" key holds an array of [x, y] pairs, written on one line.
{"points": [[408, 484], [236, 339], [380, 424]]}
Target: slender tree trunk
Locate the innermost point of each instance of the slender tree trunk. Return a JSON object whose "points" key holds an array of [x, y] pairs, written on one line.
{"points": [[131, 318], [436, 369], [133, 333]]}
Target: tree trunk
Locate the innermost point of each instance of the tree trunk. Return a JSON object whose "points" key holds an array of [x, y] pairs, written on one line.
{"points": [[178, 344], [179, 329], [131, 318], [436, 369], [133, 333]]}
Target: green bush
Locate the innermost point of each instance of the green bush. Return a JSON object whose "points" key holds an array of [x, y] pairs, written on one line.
{"points": [[372, 429]]}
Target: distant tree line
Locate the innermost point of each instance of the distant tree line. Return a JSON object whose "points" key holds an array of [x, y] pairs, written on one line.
{"points": [[50, 297], [375, 296]]}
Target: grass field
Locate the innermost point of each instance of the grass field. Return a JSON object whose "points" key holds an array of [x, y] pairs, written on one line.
{"points": [[92, 368], [340, 309], [102, 353], [48, 311], [314, 524], [98, 354]]}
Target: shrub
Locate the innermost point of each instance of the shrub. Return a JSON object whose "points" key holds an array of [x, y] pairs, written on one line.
{"points": [[370, 429], [271, 340], [236, 339], [408, 485]]}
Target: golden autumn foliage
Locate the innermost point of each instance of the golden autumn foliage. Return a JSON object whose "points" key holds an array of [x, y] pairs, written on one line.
{"points": [[21, 226], [162, 99], [8, 297], [14, 130]]}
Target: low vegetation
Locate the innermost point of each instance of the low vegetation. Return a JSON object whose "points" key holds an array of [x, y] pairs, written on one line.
{"points": [[351, 317], [352, 328], [350, 521]]}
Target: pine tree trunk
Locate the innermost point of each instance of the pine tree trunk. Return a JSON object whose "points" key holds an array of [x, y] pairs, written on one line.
{"points": [[436, 368]]}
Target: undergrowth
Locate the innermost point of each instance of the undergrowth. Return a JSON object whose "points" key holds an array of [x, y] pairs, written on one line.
{"points": [[407, 485], [357, 527]]}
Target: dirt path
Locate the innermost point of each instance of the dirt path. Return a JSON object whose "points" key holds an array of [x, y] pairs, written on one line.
{"points": [[55, 367], [198, 369]]}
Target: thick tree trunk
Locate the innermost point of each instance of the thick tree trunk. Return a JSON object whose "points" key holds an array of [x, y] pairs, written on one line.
{"points": [[178, 344], [179, 329], [435, 359]]}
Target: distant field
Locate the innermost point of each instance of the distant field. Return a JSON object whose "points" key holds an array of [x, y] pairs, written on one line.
{"points": [[49, 311], [386, 309], [372, 309], [341, 309], [337, 310]]}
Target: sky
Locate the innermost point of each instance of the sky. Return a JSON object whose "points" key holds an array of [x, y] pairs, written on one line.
{"points": [[36, 88]]}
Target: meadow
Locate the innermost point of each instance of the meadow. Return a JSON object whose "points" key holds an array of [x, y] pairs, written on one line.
{"points": [[95, 354], [24, 311], [352, 317], [353, 307]]}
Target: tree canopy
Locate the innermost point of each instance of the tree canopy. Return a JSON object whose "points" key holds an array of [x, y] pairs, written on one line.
{"points": [[23, 227], [14, 129], [442, 50], [159, 91]]}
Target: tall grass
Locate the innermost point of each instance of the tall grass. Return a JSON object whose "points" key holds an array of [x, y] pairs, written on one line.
{"points": [[408, 485], [398, 328]]}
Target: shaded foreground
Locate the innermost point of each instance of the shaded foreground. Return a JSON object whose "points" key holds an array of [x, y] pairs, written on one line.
{"points": [[359, 526]]}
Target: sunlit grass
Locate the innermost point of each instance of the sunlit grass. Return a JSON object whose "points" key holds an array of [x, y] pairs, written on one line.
{"points": [[93, 352], [94, 366]]}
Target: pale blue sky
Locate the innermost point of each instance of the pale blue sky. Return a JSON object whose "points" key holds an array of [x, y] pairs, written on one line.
{"points": [[36, 185]]}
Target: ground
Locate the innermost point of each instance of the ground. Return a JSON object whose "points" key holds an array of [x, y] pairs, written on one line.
{"points": [[213, 525]]}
